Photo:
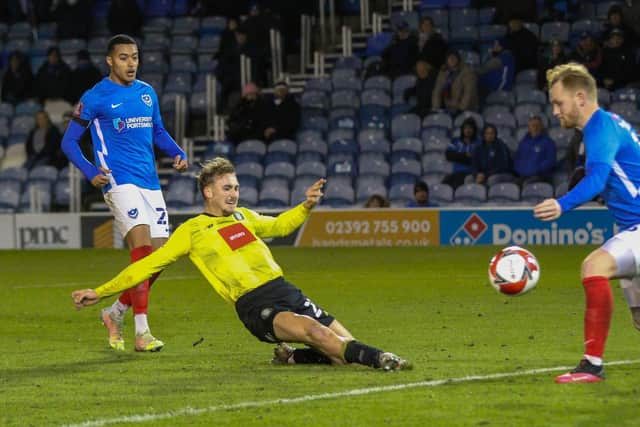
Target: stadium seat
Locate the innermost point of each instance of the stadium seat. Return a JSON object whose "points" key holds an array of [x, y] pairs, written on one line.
{"points": [[464, 115], [554, 31], [345, 99], [314, 99], [504, 193], [438, 120], [410, 148], [366, 186], [374, 145], [536, 192], [220, 148], [400, 84], [440, 194], [490, 32], [374, 117], [530, 95], [470, 194], [501, 98], [10, 196], [250, 169], [319, 84], [375, 97], [311, 144], [378, 83], [352, 62], [401, 193], [280, 169], [337, 194], [405, 126], [435, 143], [273, 197], [405, 170], [523, 112], [252, 146], [371, 165], [248, 196], [212, 25], [500, 119], [283, 146], [315, 170]]}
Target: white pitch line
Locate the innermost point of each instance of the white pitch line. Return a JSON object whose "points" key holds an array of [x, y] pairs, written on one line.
{"points": [[94, 283], [188, 411]]}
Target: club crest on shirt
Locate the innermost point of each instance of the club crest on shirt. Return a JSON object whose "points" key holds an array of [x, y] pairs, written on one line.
{"points": [[133, 213], [146, 98], [238, 216], [118, 124]]}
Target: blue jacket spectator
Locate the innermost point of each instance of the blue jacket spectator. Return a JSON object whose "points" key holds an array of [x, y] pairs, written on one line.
{"points": [[498, 73], [491, 156], [536, 155], [460, 152]]}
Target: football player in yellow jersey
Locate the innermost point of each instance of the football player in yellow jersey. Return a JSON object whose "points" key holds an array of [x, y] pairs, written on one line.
{"points": [[225, 244]]}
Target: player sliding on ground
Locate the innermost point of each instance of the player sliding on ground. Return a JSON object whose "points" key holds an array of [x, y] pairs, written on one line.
{"points": [[225, 244], [613, 171]]}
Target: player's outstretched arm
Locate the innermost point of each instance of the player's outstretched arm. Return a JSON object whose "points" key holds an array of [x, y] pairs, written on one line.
{"points": [[314, 193], [84, 297], [547, 210]]}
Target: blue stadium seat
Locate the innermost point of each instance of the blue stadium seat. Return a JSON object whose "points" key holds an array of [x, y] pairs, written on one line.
{"points": [[6, 110], [27, 108], [158, 8], [313, 169], [528, 94], [405, 126], [501, 119], [405, 170], [273, 196], [185, 25], [10, 196], [470, 194], [252, 146], [22, 125], [440, 194], [312, 144], [379, 83], [435, 143], [438, 120], [250, 169], [536, 192], [316, 123], [280, 169], [183, 44], [336, 194], [374, 145], [372, 165], [558, 30], [408, 147], [367, 186], [463, 17], [501, 98], [506, 193], [352, 62], [375, 97], [464, 115], [314, 99], [345, 99], [374, 117], [401, 193], [400, 84], [376, 44], [319, 84], [212, 25]]}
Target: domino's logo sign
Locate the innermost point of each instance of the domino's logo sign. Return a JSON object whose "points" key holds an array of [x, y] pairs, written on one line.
{"points": [[118, 124], [470, 231], [133, 213]]}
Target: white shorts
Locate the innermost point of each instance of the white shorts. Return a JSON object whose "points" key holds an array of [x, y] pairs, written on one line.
{"points": [[132, 205], [624, 247]]}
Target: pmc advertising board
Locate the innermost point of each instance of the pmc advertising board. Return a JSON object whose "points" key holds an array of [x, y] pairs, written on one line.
{"points": [[519, 227]]}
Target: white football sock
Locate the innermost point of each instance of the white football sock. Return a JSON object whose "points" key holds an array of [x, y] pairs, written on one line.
{"points": [[597, 361], [119, 308], [141, 323]]}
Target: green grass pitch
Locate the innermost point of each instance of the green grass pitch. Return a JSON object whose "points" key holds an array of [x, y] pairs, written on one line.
{"points": [[431, 305]]}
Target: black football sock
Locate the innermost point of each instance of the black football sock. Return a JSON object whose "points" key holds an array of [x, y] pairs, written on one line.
{"points": [[310, 356], [356, 352]]}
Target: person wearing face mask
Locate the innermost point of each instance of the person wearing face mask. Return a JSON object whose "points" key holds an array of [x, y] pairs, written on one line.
{"points": [[282, 114]]}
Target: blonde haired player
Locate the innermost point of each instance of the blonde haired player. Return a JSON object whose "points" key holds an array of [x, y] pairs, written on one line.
{"points": [[225, 244], [612, 171]]}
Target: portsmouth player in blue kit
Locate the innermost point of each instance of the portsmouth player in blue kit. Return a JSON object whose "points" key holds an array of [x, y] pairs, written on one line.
{"points": [[124, 117], [612, 171]]}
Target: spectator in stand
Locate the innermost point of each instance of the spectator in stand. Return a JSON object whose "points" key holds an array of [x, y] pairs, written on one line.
{"points": [[556, 56], [53, 79], [400, 56], [258, 24], [228, 70], [74, 18], [83, 77], [498, 72], [491, 156], [460, 153], [523, 44], [431, 46], [456, 87], [43, 144], [377, 201], [227, 39], [282, 114], [246, 120], [618, 62], [536, 155], [615, 21], [17, 80], [420, 196], [588, 53], [423, 90], [124, 17]]}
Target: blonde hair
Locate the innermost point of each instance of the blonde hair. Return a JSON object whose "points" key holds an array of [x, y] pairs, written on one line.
{"points": [[573, 77], [213, 168]]}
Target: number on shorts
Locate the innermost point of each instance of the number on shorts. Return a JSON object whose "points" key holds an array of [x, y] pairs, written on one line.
{"points": [[317, 312], [162, 220]]}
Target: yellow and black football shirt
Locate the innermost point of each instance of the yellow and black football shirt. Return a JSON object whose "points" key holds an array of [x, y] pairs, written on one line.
{"points": [[229, 251]]}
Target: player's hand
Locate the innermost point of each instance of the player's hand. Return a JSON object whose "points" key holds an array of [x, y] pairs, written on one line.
{"points": [[548, 210], [101, 179], [180, 164], [314, 193], [84, 297]]}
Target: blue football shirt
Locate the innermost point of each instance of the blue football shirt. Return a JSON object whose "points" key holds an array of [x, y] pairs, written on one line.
{"points": [[612, 168], [123, 122]]}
